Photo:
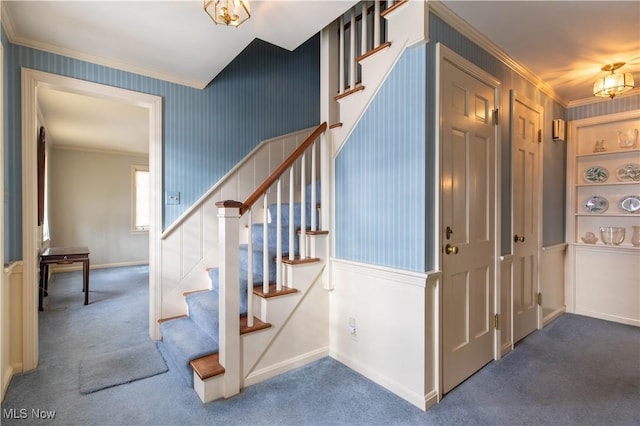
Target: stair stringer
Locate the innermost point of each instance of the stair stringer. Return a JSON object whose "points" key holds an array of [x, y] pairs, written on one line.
{"points": [[299, 332], [190, 245], [407, 26]]}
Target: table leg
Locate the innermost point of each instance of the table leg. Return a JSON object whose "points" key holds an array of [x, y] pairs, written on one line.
{"points": [[85, 276], [41, 287]]}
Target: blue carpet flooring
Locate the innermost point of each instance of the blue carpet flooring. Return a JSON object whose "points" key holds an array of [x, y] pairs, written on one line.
{"points": [[576, 371]]}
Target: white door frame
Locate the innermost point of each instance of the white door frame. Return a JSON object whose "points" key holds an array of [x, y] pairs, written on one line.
{"points": [[30, 82], [444, 53]]}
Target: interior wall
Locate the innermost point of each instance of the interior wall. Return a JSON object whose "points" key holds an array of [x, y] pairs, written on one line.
{"points": [[205, 131], [380, 177], [91, 205]]}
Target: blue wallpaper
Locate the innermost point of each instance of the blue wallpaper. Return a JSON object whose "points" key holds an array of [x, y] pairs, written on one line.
{"points": [[265, 92], [607, 106], [380, 174]]}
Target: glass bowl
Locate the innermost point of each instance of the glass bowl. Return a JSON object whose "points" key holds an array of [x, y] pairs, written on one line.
{"points": [[612, 235]]}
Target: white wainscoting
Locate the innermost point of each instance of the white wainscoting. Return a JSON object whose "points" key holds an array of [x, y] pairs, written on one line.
{"points": [[190, 245], [552, 282], [506, 303], [396, 321], [11, 323]]}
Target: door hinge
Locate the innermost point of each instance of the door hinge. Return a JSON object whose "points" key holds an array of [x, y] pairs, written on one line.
{"points": [[539, 299], [496, 321], [539, 135], [496, 117]]}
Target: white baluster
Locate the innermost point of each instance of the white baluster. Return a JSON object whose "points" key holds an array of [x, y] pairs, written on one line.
{"points": [[314, 215], [265, 246], [376, 24], [303, 207], [250, 271], [279, 236], [363, 29], [292, 230], [352, 50], [342, 42]]}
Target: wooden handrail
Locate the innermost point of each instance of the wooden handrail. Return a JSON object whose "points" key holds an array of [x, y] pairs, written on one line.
{"points": [[282, 168]]}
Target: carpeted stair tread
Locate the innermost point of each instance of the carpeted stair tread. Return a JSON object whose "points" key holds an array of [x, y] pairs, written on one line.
{"points": [[185, 341], [203, 311], [258, 268], [257, 232]]}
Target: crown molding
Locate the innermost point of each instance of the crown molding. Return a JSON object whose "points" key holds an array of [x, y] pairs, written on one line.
{"points": [[464, 28], [596, 100], [14, 38]]}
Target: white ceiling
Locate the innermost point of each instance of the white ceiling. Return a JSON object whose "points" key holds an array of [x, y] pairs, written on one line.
{"points": [[563, 42]]}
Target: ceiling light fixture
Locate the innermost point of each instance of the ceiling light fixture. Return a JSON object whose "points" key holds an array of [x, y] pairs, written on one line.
{"points": [[613, 84], [228, 12]]}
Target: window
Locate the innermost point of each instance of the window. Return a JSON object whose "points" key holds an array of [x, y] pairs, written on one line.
{"points": [[140, 198]]}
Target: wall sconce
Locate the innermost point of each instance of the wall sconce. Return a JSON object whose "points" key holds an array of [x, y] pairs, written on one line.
{"points": [[558, 130], [613, 84]]}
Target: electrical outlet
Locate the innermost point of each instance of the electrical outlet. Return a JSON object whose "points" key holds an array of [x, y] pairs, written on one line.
{"points": [[352, 327], [172, 198]]}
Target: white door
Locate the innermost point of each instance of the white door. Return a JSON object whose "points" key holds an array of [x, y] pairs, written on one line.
{"points": [[468, 145], [525, 198]]}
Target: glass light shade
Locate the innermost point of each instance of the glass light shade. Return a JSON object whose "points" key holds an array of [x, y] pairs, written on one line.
{"points": [[228, 12], [613, 84]]}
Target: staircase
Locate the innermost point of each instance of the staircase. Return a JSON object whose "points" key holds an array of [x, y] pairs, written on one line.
{"points": [[252, 321], [276, 250]]}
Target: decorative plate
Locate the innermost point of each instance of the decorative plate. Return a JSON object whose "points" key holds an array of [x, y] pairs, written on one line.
{"points": [[630, 203], [596, 174], [629, 172], [597, 204]]}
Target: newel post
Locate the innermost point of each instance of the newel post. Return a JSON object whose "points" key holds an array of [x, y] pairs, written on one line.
{"points": [[229, 302]]}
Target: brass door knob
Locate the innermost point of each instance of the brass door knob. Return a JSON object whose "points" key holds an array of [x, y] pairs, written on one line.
{"points": [[518, 238], [449, 249]]}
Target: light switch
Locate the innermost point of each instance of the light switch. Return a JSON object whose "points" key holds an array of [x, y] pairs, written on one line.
{"points": [[173, 198]]}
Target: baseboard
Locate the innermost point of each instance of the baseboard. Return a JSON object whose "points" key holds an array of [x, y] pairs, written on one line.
{"points": [[7, 375], [78, 266], [608, 317], [423, 402], [284, 366], [553, 315]]}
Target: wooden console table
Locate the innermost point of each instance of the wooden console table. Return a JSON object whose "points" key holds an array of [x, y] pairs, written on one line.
{"points": [[63, 256]]}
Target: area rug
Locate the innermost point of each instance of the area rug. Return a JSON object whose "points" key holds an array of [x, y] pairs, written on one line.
{"points": [[120, 367]]}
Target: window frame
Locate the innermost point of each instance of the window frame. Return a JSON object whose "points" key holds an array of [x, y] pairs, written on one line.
{"points": [[134, 195]]}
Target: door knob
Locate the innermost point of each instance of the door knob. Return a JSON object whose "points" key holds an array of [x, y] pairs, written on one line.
{"points": [[518, 238], [449, 249]]}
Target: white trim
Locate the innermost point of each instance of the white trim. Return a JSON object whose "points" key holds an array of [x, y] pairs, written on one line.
{"points": [[30, 82], [555, 247], [421, 401], [596, 100], [134, 197], [3, 340], [273, 370], [398, 276], [98, 150]]}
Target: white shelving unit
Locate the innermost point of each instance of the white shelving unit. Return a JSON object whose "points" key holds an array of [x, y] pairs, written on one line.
{"points": [[602, 281]]}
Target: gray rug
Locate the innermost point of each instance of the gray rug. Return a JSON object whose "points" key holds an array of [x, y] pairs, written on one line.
{"points": [[120, 367]]}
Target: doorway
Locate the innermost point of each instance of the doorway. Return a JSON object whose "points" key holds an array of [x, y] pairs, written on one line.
{"points": [[468, 142], [31, 82]]}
